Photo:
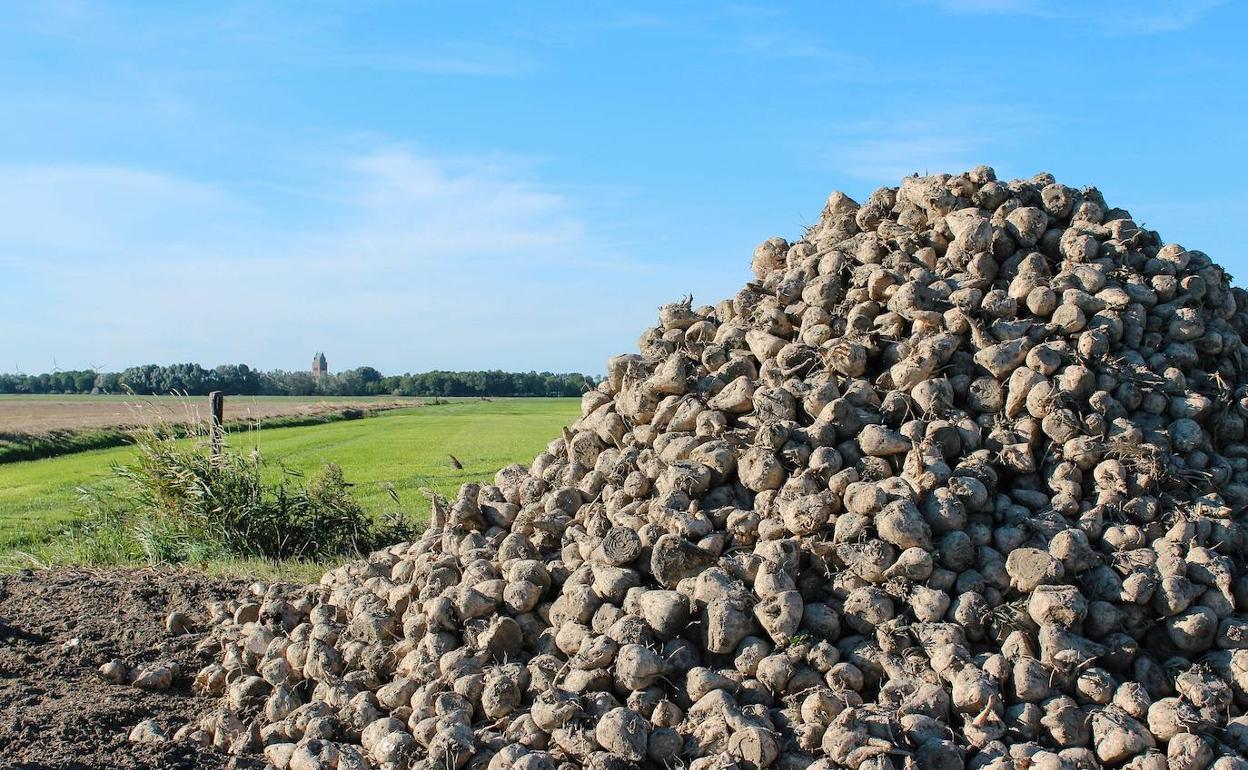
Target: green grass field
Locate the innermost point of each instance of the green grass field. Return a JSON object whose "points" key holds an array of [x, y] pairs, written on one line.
{"points": [[406, 448]]}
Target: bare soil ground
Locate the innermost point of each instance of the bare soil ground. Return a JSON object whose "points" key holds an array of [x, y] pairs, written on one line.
{"points": [[47, 415], [55, 712]]}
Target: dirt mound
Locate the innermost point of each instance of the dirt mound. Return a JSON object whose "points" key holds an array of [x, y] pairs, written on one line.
{"points": [[57, 627]]}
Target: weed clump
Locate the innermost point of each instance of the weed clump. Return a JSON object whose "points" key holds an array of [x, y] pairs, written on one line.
{"points": [[179, 502]]}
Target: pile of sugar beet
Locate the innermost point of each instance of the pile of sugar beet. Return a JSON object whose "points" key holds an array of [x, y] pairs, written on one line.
{"points": [[958, 480]]}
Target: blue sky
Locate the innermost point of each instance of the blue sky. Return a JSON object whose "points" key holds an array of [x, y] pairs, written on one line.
{"points": [[520, 185]]}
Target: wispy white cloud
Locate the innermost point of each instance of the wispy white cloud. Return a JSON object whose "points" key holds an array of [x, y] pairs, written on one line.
{"points": [[768, 35], [101, 209], [987, 6], [413, 197], [474, 60], [782, 45], [411, 261], [1164, 17], [426, 203], [893, 157], [886, 148], [1112, 17]]}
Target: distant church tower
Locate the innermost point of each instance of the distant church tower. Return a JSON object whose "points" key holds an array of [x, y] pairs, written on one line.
{"points": [[319, 366]]}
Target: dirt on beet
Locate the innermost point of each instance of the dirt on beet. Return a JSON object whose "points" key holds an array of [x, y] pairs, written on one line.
{"points": [[56, 629]]}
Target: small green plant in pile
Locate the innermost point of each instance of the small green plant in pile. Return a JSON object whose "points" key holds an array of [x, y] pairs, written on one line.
{"points": [[179, 502]]}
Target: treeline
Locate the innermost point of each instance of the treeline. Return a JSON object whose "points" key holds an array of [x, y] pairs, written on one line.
{"points": [[242, 380]]}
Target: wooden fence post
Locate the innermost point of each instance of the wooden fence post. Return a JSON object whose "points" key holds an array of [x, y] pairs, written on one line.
{"points": [[216, 406]]}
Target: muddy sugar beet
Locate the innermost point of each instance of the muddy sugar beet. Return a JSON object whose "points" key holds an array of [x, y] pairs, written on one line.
{"points": [[957, 480]]}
